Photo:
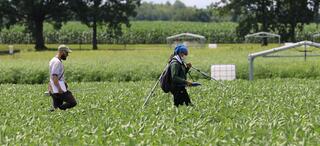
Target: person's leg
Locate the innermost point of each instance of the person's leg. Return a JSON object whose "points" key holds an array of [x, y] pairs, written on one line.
{"points": [[177, 98], [186, 98], [69, 100], [56, 101]]}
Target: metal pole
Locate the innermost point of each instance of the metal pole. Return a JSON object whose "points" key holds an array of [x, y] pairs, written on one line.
{"points": [[151, 92], [190, 76], [206, 75], [251, 59], [305, 52], [80, 41], [154, 87]]}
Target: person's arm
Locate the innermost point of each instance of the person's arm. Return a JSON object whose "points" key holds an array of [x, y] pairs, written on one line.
{"points": [[189, 65], [49, 88], [175, 75]]}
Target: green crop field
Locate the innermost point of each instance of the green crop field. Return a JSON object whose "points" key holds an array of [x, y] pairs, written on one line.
{"points": [[263, 112], [280, 107]]}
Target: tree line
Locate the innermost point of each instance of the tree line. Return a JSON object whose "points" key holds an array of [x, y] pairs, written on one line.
{"points": [[33, 13], [284, 17], [178, 11]]}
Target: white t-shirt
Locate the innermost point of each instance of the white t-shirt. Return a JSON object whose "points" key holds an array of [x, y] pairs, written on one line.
{"points": [[56, 68]]}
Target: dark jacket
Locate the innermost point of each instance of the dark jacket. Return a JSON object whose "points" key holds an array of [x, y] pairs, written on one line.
{"points": [[178, 74]]}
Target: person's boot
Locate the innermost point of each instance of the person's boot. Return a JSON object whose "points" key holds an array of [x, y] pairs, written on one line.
{"points": [[52, 109]]}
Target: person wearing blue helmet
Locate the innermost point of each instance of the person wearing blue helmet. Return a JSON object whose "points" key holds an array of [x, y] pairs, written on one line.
{"points": [[179, 70]]}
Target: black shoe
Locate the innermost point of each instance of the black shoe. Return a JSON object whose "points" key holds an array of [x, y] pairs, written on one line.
{"points": [[51, 109]]}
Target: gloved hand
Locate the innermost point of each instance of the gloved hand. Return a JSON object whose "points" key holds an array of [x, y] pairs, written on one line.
{"points": [[189, 65], [189, 83]]}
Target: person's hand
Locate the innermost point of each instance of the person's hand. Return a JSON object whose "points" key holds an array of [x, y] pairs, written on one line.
{"points": [[189, 65], [189, 83], [49, 88]]}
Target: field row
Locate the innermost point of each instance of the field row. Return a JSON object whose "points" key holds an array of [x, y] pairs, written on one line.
{"points": [[145, 63]]}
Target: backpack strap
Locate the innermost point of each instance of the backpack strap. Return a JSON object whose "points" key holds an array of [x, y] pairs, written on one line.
{"points": [[62, 72], [61, 75], [174, 59]]}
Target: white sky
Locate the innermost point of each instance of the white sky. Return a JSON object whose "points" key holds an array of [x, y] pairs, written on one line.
{"points": [[197, 3]]}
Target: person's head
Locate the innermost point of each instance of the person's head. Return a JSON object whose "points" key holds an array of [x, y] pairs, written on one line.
{"points": [[63, 52], [182, 51]]}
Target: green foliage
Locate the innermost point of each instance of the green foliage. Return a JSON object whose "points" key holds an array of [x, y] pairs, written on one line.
{"points": [[112, 13], [177, 11], [267, 111], [140, 32], [145, 62], [286, 17], [293, 15], [32, 14], [263, 112]]}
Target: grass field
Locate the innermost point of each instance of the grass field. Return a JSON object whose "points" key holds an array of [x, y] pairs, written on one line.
{"points": [[263, 112], [280, 107], [114, 63]]}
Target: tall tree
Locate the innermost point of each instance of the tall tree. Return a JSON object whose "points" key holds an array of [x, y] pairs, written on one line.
{"points": [[179, 4], [203, 15], [316, 8], [292, 15], [3, 18], [33, 13], [285, 16], [111, 12], [254, 15]]}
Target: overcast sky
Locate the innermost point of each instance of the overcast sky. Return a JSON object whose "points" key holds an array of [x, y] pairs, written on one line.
{"points": [[197, 3]]}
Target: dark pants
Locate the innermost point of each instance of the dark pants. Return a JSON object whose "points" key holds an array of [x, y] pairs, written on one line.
{"points": [[180, 97], [63, 101]]}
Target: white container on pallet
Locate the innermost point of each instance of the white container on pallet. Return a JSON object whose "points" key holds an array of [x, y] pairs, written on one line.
{"points": [[223, 72]]}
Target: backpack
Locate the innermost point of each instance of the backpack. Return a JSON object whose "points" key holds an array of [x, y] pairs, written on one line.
{"points": [[165, 80]]}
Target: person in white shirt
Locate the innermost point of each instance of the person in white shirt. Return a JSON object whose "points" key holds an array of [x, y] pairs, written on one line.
{"points": [[62, 98]]}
